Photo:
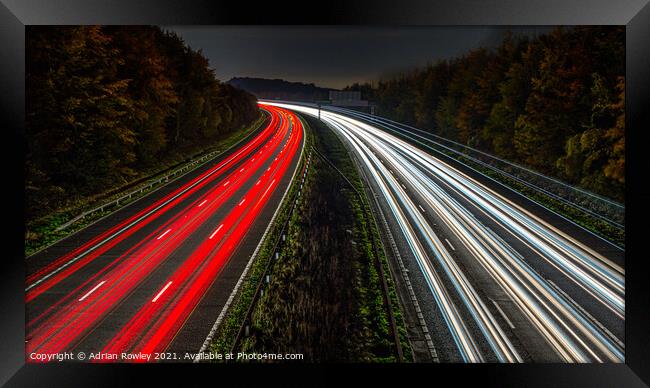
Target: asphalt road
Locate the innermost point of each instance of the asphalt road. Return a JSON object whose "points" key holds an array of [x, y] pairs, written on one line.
{"points": [[153, 276], [499, 278]]}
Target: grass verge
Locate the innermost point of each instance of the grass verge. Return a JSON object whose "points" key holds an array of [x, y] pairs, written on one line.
{"points": [[226, 333], [593, 224], [325, 297], [598, 227]]}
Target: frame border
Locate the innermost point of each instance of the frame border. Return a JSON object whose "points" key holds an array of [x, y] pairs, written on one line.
{"points": [[634, 14]]}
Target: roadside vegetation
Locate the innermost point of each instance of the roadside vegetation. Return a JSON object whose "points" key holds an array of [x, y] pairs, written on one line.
{"points": [[598, 226], [226, 334], [110, 106], [554, 103], [52, 227], [325, 296]]}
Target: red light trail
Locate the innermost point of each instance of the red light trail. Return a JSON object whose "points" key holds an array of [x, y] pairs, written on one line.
{"points": [[212, 225]]}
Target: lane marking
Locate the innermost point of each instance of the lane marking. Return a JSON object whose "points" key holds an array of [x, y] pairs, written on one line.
{"points": [[242, 201], [241, 170], [421, 208], [215, 232], [161, 292], [502, 314], [226, 184], [404, 187], [450, 246], [202, 203], [91, 291], [169, 200], [268, 188], [162, 235], [258, 182]]}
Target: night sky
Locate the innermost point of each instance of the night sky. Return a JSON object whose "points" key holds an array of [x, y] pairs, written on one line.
{"points": [[334, 56]]}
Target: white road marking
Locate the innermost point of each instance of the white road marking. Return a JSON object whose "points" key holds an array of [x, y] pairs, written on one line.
{"points": [[421, 208], [161, 292], [162, 235], [215, 232], [91, 291], [450, 246], [242, 201], [62, 267], [503, 314], [202, 203], [268, 188], [226, 184]]}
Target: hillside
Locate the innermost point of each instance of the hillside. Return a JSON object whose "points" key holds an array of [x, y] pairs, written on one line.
{"points": [[279, 89]]}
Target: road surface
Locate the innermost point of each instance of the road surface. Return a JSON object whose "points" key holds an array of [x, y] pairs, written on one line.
{"points": [[154, 276], [500, 279]]}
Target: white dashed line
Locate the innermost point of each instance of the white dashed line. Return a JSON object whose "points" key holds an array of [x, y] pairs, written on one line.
{"points": [[161, 292], [91, 291], [503, 314], [163, 235], [450, 246], [215, 232]]}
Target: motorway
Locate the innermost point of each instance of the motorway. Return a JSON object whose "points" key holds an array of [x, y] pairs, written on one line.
{"points": [[153, 276], [500, 279]]}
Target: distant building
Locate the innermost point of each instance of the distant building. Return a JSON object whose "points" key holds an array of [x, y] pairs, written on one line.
{"points": [[347, 98]]}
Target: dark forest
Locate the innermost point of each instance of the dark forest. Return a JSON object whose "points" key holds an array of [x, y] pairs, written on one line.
{"points": [[555, 103], [105, 105]]}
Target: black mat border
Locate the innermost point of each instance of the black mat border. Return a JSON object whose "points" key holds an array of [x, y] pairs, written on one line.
{"points": [[15, 14]]}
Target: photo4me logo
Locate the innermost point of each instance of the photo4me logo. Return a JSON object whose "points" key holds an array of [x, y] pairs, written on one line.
{"points": [[35, 357]]}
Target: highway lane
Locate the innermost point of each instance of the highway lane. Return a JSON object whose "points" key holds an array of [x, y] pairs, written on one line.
{"points": [[426, 141], [507, 285], [605, 251], [137, 284]]}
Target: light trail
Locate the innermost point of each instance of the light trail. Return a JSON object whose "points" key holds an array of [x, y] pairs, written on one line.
{"points": [[62, 325], [195, 275], [59, 269], [573, 335]]}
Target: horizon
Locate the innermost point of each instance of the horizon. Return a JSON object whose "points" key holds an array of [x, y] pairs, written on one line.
{"points": [[335, 56]]}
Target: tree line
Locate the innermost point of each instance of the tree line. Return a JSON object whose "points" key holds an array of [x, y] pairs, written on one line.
{"points": [[555, 103], [107, 104]]}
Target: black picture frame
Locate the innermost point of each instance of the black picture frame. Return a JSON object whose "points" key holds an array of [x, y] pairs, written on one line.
{"points": [[634, 14]]}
